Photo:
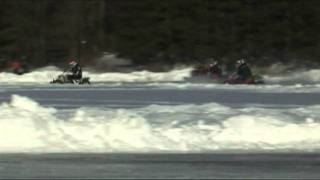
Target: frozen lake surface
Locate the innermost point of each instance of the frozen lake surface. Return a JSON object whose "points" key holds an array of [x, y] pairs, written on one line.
{"points": [[138, 94], [160, 166]]}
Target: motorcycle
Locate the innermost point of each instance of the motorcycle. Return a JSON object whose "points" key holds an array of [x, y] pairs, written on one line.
{"points": [[63, 79], [234, 79], [202, 74]]}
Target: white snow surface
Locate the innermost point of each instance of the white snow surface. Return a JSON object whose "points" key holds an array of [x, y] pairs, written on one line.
{"points": [[26, 126]]}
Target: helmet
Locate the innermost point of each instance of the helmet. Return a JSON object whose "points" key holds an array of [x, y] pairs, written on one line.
{"points": [[214, 63], [241, 61], [73, 63]]}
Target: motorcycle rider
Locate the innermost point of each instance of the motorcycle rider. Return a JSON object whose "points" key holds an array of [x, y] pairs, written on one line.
{"points": [[215, 70], [244, 73], [75, 71]]}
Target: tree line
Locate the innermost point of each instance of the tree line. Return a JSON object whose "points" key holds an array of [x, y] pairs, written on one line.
{"points": [[163, 32]]}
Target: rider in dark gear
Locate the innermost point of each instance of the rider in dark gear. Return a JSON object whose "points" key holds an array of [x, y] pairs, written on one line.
{"points": [[215, 70], [244, 73], [75, 70]]}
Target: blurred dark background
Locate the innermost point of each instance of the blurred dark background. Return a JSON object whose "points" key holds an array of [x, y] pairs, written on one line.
{"points": [[49, 32]]}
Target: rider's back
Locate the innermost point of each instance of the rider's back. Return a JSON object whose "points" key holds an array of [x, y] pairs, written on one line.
{"points": [[244, 71]]}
